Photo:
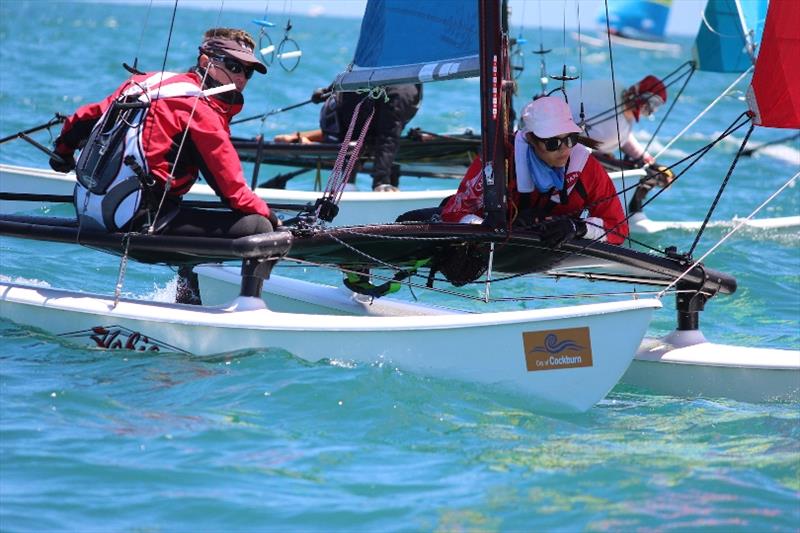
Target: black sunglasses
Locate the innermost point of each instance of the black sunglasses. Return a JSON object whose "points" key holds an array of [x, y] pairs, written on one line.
{"points": [[234, 67], [554, 143]]}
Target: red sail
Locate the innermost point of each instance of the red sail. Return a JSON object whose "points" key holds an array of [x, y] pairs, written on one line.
{"points": [[774, 94]]}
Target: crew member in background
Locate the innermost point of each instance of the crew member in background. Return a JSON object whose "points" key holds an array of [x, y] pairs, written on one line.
{"points": [[134, 180], [384, 133], [639, 100]]}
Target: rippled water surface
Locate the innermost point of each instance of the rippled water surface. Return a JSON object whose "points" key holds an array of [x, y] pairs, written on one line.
{"points": [[260, 440]]}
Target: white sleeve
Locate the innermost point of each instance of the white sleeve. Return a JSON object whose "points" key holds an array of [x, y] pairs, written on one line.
{"points": [[595, 229], [632, 148], [524, 181]]}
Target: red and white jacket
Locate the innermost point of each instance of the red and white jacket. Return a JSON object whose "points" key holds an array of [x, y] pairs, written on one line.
{"points": [[202, 119], [600, 198]]}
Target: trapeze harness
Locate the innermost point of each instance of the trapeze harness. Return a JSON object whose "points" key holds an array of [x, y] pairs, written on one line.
{"points": [[114, 183], [542, 207]]}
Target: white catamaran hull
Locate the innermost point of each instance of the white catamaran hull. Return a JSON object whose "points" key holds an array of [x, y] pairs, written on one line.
{"points": [[588, 350], [685, 364], [681, 364], [355, 207]]}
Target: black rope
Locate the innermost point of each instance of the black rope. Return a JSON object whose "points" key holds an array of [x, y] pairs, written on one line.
{"points": [[672, 105], [721, 189], [696, 156], [608, 113], [702, 151], [263, 116]]}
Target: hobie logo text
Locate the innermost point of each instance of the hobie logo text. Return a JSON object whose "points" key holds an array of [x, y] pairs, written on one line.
{"points": [[558, 348]]}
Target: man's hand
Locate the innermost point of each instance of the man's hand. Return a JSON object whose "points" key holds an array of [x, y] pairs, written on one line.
{"points": [[320, 95], [274, 220], [62, 162], [557, 231]]}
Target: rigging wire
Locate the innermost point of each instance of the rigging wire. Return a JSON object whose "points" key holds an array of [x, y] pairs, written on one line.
{"points": [[616, 115], [171, 176], [739, 226], [694, 157], [304, 263], [703, 112], [721, 188], [672, 105]]}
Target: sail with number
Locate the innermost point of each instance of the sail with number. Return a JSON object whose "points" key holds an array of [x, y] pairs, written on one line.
{"points": [[636, 19], [412, 42], [774, 94], [729, 35]]}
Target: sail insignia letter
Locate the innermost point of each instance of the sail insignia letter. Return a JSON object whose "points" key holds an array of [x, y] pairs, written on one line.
{"points": [[559, 348]]}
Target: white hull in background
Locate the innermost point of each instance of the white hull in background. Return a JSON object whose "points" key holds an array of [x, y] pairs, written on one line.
{"points": [[484, 348], [640, 44], [685, 364], [355, 207], [639, 223]]}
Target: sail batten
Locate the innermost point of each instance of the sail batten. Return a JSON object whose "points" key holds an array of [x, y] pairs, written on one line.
{"points": [[413, 42]]}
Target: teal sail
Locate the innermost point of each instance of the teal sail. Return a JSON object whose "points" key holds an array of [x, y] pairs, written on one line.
{"points": [[412, 42], [729, 33], [636, 19]]}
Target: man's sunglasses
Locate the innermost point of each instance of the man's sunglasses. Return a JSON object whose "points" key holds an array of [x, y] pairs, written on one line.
{"points": [[552, 144], [233, 66]]}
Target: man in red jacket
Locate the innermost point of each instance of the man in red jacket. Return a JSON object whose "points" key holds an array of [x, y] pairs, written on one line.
{"points": [[145, 144]]}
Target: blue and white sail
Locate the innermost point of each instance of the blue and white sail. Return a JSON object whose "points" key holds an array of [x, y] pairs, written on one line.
{"points": [[636, 19], [729, 33], [413, 42]]}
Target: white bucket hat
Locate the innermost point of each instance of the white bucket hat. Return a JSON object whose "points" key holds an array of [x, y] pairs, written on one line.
{"points": [[548, 116]]}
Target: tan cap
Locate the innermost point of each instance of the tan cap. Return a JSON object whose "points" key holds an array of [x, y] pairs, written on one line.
{"points": [[234, 49]]}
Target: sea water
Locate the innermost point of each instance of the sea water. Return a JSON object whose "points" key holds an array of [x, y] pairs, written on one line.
{"points": [[261, 440]]}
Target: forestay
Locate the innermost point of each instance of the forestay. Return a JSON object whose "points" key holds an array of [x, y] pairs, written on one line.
{"points": [[729, 33], [412, 42]]}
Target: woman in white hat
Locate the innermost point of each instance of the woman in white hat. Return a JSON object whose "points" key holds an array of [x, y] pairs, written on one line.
{"points": [[558, 178]]}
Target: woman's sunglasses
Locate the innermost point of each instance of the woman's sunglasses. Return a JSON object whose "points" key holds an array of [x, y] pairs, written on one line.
{"points": [[552, 144], [233, 66]]}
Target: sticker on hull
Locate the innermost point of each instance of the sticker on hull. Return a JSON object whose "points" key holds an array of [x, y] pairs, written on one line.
{"points": [[120, 338], [557, 348]]}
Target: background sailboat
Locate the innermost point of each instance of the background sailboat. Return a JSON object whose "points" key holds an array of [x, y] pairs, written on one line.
{"points": [[728, 40], [634, 23]]}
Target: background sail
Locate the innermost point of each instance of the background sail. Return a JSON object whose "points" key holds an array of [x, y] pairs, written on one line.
{"points": [[636, 19], [774, 94], [411, 42], [723, 43]]}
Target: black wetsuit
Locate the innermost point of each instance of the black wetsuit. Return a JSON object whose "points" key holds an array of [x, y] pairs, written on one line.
{"points": [[387, 125]]}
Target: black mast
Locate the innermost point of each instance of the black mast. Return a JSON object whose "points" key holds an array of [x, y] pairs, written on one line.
{"points": [[494, 110]]}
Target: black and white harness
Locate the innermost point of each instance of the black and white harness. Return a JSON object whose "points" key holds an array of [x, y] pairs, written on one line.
{"points": [[114, 181]]}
